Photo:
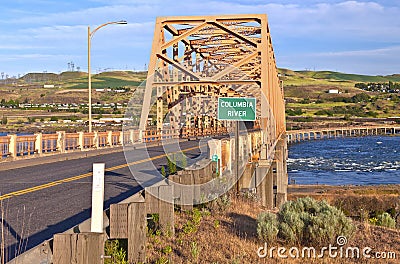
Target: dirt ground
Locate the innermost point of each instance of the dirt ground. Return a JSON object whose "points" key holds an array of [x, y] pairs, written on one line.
{"points": [[230, 236]]}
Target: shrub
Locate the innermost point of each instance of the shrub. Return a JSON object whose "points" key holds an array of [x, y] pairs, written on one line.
{"points": [[385, 220], [163, 172], [267, 227], [219, 204], [171, 164], [324, 112], [294, 112], [117, 251], [309, 221], [4, 120]]}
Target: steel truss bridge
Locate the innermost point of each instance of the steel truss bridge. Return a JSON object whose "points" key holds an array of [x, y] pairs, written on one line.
{"points": [[196, 59]]}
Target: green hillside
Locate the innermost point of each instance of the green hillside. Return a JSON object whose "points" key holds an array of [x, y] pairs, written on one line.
{"points": [[331, 78], [330, 75]]}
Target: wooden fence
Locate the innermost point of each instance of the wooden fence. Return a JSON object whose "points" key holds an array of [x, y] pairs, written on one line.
{"points": [[127, 220]]}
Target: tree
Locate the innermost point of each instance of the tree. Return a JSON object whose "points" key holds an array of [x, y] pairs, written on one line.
{"points": [[4, 120]]}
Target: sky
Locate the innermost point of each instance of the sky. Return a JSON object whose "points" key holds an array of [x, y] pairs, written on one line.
{"points": [[360, 37]]}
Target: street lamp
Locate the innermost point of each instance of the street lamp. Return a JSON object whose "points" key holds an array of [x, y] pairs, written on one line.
{"points": [[90, 35]]}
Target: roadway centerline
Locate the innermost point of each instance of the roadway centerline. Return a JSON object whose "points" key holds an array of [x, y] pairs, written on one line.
{"points": [[82, 176]]}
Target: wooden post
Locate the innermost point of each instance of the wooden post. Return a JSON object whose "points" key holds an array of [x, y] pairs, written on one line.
{"points": [[82, 248], [137, 223], [159, 199], [118, 221], [187, 194], [166, 208]]}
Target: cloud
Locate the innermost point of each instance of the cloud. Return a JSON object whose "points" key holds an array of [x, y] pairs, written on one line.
{"points": [[381, 61], [301, 30], [355, 53]]}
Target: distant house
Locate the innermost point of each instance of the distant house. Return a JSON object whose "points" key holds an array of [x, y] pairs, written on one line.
{"points": [[333, 91], [48, 86]]}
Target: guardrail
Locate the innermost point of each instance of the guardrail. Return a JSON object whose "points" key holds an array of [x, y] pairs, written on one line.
{"points": [[17, 146], [4, 146]]}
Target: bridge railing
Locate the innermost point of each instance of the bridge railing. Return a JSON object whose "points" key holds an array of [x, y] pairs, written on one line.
{"points": [[49, 142], [71, 141], [4, 146], [88, 140], [13, 146], [333, 132], [25, 145]]}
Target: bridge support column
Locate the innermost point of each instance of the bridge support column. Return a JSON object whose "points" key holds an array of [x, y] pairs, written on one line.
{"points": [[265, 187], [281, 173], [245, 179]]}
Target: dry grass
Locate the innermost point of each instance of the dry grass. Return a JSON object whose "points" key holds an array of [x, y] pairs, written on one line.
{"points": [[231, 237]]}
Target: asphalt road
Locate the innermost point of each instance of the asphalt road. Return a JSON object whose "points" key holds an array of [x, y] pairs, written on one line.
{"points": [[38, 201]]}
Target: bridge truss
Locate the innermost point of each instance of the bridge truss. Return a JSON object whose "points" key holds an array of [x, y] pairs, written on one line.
{"points": [[194, 60]]}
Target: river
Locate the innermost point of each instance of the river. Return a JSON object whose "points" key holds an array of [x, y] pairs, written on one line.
{"points": [[342, 161]]}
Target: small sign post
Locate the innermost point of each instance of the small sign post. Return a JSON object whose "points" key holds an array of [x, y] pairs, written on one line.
{"points": [[97, 198], [237, 109], [215, 159]]}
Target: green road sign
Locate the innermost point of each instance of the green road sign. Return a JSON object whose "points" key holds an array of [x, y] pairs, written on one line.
{"points": [[236, 108], [214, 157]]}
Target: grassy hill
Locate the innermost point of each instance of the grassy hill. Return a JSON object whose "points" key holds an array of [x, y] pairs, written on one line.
{"points": [[308, 100], [298, 85], [338, 76], [331, 78], [70, 87]]}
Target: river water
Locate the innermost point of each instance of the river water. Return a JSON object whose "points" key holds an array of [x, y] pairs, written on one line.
{"points": [[342, 161]]}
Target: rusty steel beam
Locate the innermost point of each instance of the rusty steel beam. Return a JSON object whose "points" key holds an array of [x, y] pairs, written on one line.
{"points": [[232, 51]]}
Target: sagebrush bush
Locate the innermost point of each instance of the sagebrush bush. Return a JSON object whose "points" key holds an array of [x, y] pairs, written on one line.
{"points": [[385, 220], [307, 221], [267, 226]]}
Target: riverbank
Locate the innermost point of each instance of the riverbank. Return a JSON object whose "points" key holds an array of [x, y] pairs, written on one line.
{"points": [[355, 201]]}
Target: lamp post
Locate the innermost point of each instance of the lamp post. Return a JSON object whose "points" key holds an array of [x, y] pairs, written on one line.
{"points": [[89, 36]]}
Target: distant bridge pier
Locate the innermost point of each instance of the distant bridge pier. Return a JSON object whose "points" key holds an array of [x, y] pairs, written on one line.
{"points": [[294, 136]]}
